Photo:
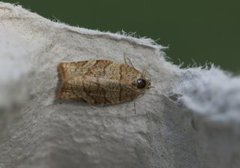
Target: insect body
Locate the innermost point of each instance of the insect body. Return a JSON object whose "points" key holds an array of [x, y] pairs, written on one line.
{"points": [[100, 82]]}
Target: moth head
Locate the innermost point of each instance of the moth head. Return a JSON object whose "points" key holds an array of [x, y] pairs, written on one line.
{"points": [[142, 83]]}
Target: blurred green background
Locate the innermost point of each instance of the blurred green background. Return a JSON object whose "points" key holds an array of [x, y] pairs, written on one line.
{"points": [[195, 31]]}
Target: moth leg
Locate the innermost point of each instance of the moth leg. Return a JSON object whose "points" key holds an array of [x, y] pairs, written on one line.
{"points": [[135, 107], [127, 60]]}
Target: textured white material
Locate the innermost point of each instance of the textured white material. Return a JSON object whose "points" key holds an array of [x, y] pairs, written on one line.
{"points": [[188, 128]]}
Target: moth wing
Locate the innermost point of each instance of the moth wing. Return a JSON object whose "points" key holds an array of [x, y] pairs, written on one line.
{"points": [[109, 93], [67, 70], [95, 81], [76, 89], [65, 92]]}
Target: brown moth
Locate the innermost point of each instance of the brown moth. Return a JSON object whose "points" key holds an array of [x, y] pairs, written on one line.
{"points": [[100, 81]]}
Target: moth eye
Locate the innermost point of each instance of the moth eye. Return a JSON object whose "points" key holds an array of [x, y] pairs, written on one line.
{"points": [[141, 83]]}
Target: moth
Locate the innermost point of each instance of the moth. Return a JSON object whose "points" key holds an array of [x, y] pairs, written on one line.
{"points": [[101, 81]]}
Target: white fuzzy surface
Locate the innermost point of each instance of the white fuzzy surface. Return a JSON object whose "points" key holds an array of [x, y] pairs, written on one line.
{"points": [[210, 91], [193, 130]]}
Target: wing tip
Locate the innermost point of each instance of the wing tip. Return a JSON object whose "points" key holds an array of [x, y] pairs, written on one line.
{"points": [[61, 71]]}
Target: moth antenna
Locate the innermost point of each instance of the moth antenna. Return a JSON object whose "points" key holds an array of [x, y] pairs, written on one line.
{"points": [[127, 60], [145, 72]]}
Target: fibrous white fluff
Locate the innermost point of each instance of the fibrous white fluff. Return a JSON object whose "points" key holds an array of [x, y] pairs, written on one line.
{"points": [[210, 91]]}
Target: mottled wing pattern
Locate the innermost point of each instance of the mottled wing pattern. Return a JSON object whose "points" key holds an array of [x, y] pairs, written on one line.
{"points": [[101, 91], [97, 81], [69, 70]]}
